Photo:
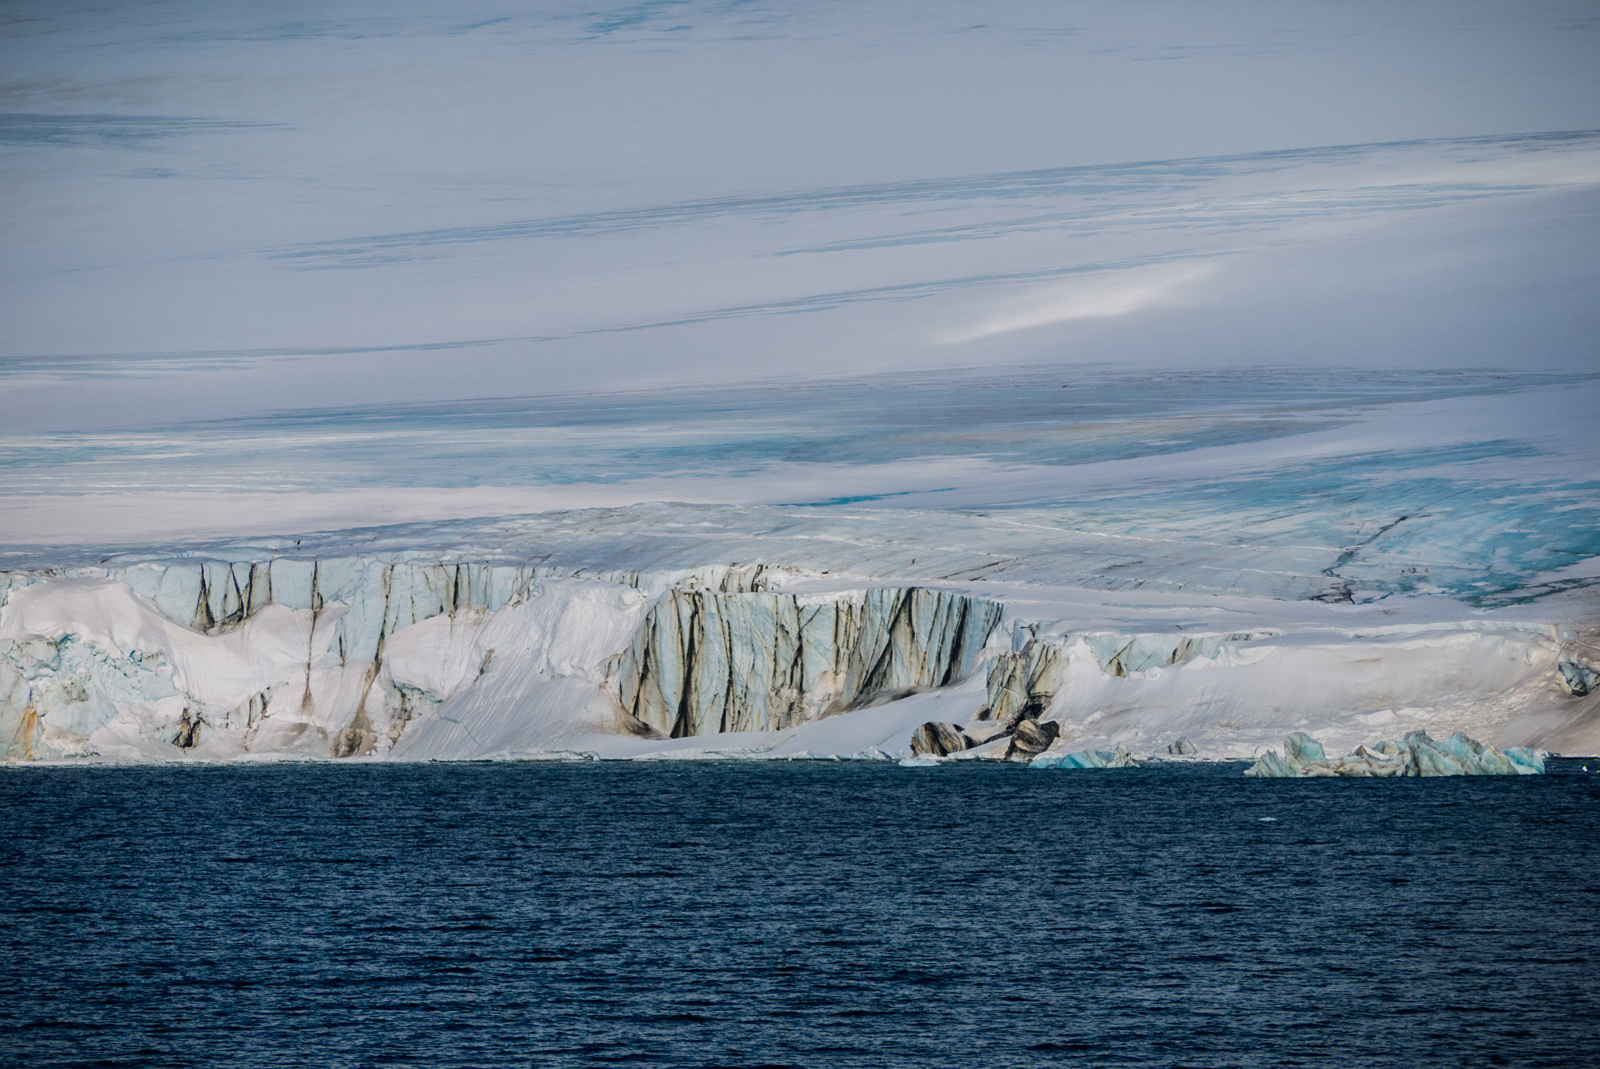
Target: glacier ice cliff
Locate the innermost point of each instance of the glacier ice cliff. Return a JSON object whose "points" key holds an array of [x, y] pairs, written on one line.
{"points": [[712, 661], [1415, 755], [417, 655], [1023, 681], [350, 657], [330, 657]]}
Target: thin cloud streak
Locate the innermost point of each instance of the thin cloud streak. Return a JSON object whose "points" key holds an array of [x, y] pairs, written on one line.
{"points": [[1104, 298]]}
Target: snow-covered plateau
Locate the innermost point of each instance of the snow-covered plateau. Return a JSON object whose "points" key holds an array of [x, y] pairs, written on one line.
{"points": [[1203, 563], [265, 651]]}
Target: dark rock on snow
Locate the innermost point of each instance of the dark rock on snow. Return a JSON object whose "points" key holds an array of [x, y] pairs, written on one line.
{"points": [[939, 740], [1031, 738]]}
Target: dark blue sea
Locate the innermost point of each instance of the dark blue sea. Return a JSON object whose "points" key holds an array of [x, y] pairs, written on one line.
{"points": [[794, 914]]}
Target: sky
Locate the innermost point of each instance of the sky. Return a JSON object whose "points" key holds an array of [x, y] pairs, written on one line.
{"points": [[231, 233]]}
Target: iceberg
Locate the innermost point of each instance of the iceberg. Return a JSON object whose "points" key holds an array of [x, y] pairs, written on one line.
{"points": [[1085, 759], [1415, 755], [1020, 740], [1030, 738]]}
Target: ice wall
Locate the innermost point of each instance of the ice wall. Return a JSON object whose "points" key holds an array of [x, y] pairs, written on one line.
{"points": [[708, 662], [320, 657], [418, 657], [1123, 655], [355, 656], [380, 596], [1023, 681]]}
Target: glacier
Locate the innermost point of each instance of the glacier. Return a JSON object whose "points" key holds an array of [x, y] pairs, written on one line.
{"points": [[352, 657], [714, 661], [378, 654]]}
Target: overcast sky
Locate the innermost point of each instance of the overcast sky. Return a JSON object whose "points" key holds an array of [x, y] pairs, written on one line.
{"points": [[212, 210]]}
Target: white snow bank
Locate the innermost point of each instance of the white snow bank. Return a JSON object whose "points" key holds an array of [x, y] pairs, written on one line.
{"points": [[1345, 688]]}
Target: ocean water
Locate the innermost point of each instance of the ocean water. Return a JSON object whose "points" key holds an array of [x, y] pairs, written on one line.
{"points": [[794, 914]]}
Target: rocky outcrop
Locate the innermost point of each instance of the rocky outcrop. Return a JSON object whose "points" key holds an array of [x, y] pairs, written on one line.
{"points": [[1183, 747], [934, 739], [1030, 738], [1022, 682], [344, 656], [706, 661], [1577, 678], [1415, 755]]}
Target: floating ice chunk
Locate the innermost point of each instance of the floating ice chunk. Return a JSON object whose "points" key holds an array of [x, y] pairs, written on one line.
{"points": [[1271, 766], [1415, 755], [1031, 738], [1119, 758], [1527, 762], [1300, 750]]}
